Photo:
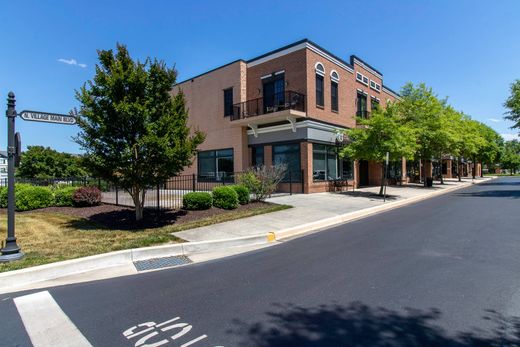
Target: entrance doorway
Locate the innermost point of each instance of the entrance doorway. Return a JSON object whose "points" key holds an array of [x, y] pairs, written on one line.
{"points": [[363, 173]]}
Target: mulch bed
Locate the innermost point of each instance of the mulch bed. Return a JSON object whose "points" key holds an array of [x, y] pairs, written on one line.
{"points": [[123, 218]]}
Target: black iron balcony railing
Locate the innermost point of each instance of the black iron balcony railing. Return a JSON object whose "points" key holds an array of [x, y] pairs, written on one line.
{"points": [[287, 100], [363, 114]]}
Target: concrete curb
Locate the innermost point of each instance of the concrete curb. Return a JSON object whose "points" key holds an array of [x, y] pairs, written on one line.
{"points": [[23, 277], [356, 215]]}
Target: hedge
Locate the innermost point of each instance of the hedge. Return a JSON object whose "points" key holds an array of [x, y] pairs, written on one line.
{"points": [[32, 197], [197, 201], [225, 197], [242, 192], [64, 196]]}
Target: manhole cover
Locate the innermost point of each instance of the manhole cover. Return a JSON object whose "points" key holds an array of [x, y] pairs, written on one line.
{"points": [[158, 263]]}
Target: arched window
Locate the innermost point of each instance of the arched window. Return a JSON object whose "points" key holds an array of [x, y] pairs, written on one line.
{"points": [[334, 76], [319, 68]]}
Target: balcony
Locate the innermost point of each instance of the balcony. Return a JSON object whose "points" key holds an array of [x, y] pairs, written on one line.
{"points": [[270, 108]]}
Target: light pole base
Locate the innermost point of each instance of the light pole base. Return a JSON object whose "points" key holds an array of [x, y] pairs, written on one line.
{"points": [[11, 257]]}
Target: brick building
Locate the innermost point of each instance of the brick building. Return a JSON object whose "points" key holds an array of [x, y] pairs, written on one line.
{"points": [[286, 106]]}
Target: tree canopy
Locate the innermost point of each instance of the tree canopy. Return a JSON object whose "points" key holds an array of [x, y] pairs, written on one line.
{"points": [[384, 132], [44, 162], [420, 125], [513, 104], [132, 128]]}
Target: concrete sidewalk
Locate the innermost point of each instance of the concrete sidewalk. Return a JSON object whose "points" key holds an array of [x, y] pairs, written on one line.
{"points": [[308, 208]]}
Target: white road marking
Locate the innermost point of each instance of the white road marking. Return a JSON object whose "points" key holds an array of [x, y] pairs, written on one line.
{"points": [[153, 329], [45, 322]]}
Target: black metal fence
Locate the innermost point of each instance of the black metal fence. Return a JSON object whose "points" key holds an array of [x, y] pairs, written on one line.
{"points": [[64, 181], [165, 196]]}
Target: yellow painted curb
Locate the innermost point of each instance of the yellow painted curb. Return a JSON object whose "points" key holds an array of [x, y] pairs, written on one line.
{"points": [[271, 236]]}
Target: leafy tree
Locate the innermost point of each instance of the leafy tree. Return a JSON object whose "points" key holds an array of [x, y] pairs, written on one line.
{"points": [[510, 159], [133, 130], [424, 112], [489, 152], [44, 162], [513, 104], [471, 140], [383, 132]]}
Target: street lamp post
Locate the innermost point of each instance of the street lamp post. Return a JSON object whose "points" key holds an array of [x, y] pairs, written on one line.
{"points": [[11, 250]]}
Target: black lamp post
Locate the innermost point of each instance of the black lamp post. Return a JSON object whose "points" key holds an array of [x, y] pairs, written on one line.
{"points": [[11, 250]]}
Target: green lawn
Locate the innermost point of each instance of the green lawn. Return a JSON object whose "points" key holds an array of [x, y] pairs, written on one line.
{"points": [[50, 237]]}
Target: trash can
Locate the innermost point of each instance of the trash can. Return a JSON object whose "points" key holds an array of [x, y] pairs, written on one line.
{"points": [[429, 181]]}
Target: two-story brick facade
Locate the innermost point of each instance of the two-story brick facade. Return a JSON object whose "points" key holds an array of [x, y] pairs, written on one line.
{"points": [[286, 106]]}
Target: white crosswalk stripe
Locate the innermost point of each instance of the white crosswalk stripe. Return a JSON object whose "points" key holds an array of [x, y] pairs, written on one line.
{"points": [[46, 323]]}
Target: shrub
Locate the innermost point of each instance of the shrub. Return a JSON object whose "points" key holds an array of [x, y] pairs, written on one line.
{"points": [[64, 196], [197, 201], [262, 181], [32, 197], [225, 197], [242, 192], [87, 196], [3, 197]]}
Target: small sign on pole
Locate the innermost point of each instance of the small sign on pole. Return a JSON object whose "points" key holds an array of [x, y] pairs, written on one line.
{"points": [[46, 117]]}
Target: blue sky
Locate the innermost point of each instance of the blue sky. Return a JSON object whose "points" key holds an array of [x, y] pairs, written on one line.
{"points": [[466, 50]]}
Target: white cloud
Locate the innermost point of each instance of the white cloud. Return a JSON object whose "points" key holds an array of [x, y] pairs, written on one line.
{"points": [[509, 137], [495, 120], [72, 62]]}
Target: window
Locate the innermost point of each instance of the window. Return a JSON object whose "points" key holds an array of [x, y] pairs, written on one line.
{"points": [[395, 170], [320, 70], [334, 96], [257, 155], [215, 165], [228, 102], [326, 164], [319, 91], [274, 92], [362, 78], [375, 86], [288, 154], [374, 104], [320, 73], [361, 105], [334, 76]]}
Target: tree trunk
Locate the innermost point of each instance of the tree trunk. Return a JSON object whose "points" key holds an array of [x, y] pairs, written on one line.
{"points": [[458, 169], [425, 175], [474, 171], [440, 160], [138, 196], [383, 177]]}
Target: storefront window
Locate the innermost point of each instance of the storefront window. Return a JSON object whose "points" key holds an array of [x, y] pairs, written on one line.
{"points": [[326, 164], [288, 154], [257, 155], [215, 165], [395, 170]]}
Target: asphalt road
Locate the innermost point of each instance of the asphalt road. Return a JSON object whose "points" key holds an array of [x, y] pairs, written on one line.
{"points": [[442, 272]]}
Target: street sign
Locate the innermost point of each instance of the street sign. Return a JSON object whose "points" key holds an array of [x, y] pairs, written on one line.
{"points": [[47, 117]]}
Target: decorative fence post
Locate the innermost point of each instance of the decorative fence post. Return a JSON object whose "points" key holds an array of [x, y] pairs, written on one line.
{"points": [[117, 196], [158, 198], [193, 182]]}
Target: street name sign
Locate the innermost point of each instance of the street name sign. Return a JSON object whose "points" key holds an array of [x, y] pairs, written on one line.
{"points": [[46, 117]]}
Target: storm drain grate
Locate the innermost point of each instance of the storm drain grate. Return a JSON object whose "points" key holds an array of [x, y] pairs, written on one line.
{"points": [[158, 263]]}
